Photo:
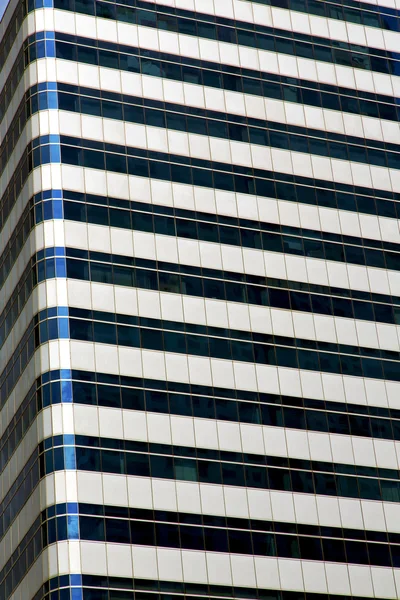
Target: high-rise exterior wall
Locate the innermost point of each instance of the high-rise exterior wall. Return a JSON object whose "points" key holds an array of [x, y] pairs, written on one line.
{"points": [[200, 300]]}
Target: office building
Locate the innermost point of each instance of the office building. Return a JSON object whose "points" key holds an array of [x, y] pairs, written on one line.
{"points": [[200, 300]]}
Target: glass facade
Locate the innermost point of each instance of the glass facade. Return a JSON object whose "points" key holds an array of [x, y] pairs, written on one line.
{"points": [[199, 300]]}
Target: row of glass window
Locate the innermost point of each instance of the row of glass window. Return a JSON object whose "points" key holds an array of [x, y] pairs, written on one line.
{"points": [[134, 463], [191, 285], [122, 594], [196, 281], [24, 555], [226, 30], [99, 587], [194, 224], [168, 17], [231, 80], [255, 36], [186, 118], [223, 180], [199, 340], [207, 174], [370, 15], [178, 168], [249, 234], [205, 391], [208, 533], [213, 539], [31, 216], [17, 300], [46, 327], [202, 341], [185, 174], [5, 157], [70, 444], [201, 468], [127, 58], [196, 401], [354, 12], [222, 522], [145, 163], [201, 73], [228, 349], [275, 135], [304, 190], [29, 105], [233, 410], [291, 189], [10, 141], [21, 489], [26, 347], [91, 202], [292, 90]]}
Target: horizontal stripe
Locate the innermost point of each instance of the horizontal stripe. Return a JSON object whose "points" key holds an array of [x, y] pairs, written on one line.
{"points": [[370, 14], [105, 523], [99, 388], [286, 187], [156, 334], [207, 430], [270, 134], [353, 11], [155, 563], [248, 182], [201, 283], [194, 340], [220, 373], [246, 382], [237, 232], [45, 206], [85, 453], [144, 493], [157, 300], [136, 460], [222, 124], [208, 227], [251, 408], [68, 47], [249, 414], [98, 586], [196, 402], [63, 50], [264, 38]]}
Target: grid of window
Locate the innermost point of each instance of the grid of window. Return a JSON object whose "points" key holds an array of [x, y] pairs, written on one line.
{"points": [[244, 416]]}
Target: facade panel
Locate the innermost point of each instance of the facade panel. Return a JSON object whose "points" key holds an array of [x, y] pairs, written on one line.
{"points": [[199, 300]]}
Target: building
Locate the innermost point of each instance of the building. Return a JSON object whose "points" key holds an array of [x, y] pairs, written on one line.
{"points": [[200, 300]]}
